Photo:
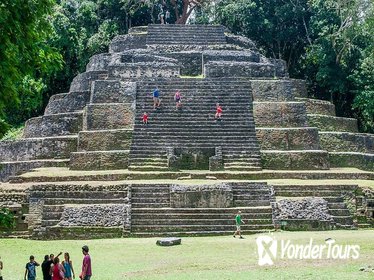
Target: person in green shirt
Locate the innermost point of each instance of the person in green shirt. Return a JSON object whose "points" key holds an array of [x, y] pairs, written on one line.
{"points": [[238, 221]]}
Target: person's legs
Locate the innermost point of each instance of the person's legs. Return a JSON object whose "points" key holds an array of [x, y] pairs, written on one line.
{"points": [[87, 277]]}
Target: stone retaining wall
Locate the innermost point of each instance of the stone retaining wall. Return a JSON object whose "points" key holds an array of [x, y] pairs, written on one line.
{"points": [[113, 91]]}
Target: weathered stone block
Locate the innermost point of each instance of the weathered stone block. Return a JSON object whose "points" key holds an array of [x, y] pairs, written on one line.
{"points": [[105, 140], [169, 241], [108, 116], [240, 41], [352, 159], [321, 107], [67, 102], [113, 91], [99, 62], [230, 55], [280, 114], [216, 69], [202, 196], [97, 215], [299, 88], [38, 148], [8, 169], [295, 160], [346, 141], [99, 160], [288, 138], [54, 125], [330, 123], [144, 70], [82, 82], [272, 90], [190, 62], [129, 41]]}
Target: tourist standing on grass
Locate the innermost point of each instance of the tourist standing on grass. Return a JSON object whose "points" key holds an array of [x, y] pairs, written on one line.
{"points": [[156, 98], [57, 270], [86, 266], [178, 100], [68, 265], [238, 221], [46, 266], [218, 112], [1, 269], [30, 273]]}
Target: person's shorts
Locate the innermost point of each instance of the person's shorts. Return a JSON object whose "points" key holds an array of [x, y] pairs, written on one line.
{"points": [[237, 227], [87, 277], [178, 100]]}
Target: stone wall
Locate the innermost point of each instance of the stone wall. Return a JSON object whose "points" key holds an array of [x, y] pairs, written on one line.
{"points": [[240, 41], [99, 62], [37, 148], [82, 82], [351, 159], [190, 62], [108, 116], [315, 106], [67, 102], [129, 41], [216, 69], [294, 160], [113, 91], [330, 123], [99, 160], [105, 140], [201, 196], [288, 138], [345, 141], [272, 90], [280, 114], [144, 70], [299, 88], [98, 215], [53, 125]]}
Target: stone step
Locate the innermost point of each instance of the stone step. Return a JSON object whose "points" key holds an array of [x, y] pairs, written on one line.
{"points": [[331, 123], [337, 205], [70, 200], [189, 227], [339, 212], [334, 199], [151, 200], [103, 194], [137, 215], [99, 160], [198, 211], [208, 222], [251, 203], [199, 233], [150, 205], [134, 167], [344, 220]]}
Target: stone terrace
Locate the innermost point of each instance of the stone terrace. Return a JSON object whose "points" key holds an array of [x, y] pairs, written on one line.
{"points": [[91, 146]]}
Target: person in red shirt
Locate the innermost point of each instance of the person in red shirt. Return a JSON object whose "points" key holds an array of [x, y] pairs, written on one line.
{"points": [[218, 112], [145, 118]]}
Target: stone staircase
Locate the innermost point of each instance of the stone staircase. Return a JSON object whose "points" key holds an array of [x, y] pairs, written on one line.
{"points": [[193, 126], [178, 34], [333, 194], [151, 214]]}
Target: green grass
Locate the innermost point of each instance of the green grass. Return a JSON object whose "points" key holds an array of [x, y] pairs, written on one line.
{"points": [[197, 258]]}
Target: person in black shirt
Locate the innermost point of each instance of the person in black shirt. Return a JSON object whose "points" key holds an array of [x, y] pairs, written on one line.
{"points": [[46, 266]]}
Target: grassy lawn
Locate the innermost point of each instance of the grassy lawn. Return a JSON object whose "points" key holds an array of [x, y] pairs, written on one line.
{"points": [[197, 258]]}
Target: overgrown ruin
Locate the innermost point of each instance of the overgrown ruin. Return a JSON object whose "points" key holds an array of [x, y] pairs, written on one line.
{"points": [[89, 168]]}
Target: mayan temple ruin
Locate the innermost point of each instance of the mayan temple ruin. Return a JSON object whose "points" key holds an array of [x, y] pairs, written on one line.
{"points": [[90, 168]]}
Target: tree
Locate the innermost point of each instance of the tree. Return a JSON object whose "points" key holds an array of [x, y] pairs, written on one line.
{"points": [[24, 52], [6, 218]]}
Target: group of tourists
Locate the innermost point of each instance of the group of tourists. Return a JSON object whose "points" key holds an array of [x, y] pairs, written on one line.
{"points": [[54, 270], [178, 105]]}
